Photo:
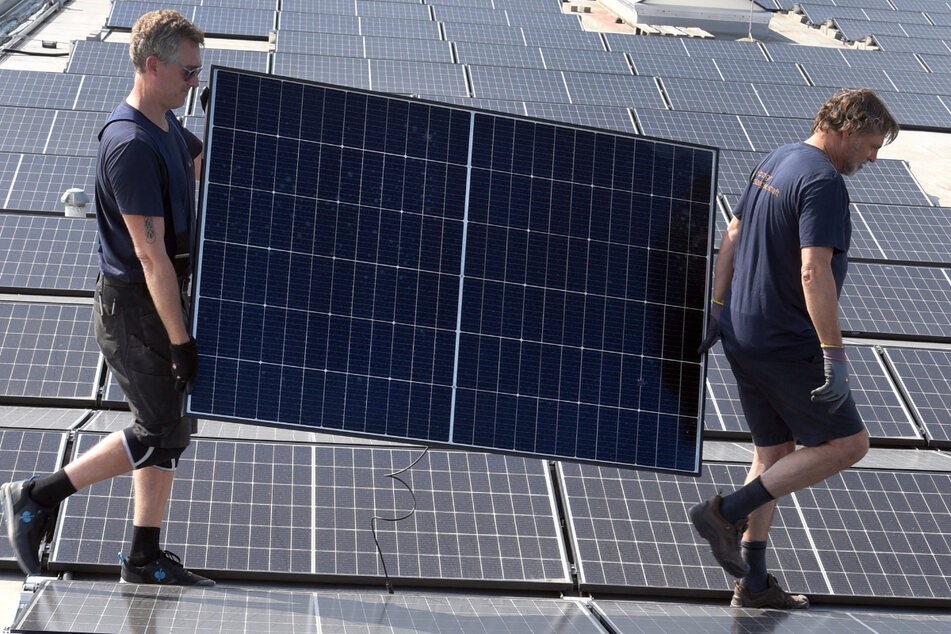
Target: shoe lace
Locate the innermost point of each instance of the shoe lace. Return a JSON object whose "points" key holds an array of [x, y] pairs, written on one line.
{"points": [[171, 557]]}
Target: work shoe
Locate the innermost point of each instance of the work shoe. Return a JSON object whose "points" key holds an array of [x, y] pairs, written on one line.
{"points": [[772, 597], [167, 570], [27, 522], [723, 536]]}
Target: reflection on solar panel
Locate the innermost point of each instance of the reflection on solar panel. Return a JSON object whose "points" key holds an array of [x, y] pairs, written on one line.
{"points": [[40, 181], [712, 96], [418, 79], [510, 293], [519, 84], [50, 253], [768, 133], [47, 351], [897, 301], [925, 378], [614, 90], [911, 234], [719, 130], [608, 118]]}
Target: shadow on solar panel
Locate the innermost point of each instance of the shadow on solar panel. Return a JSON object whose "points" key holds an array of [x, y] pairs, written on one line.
{"points": [[382, 266]]}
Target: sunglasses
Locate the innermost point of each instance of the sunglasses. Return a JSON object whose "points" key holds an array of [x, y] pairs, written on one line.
{"points": [[189, 72]]}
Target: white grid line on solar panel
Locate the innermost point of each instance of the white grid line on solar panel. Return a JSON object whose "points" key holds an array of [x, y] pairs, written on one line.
{"points": [[47, 351], [561, 21], [485, 33], [345, 71], [24, 454], [723, 411], [675, 66], [863, 243], [840, 77], [900, 459], [921, 234], [75, 133], [760, 72], [224, 21], [733, 173], [645, 45], [796, 53], [902, 44], [495, 105], [586, 61], [518, 84], [895, 300], [15, 416], [796, 102], [390, 10], [421, 78], [881, 533], [330, 44], [722, 131], [710, 96], [723, 49], [318, 23], [630, 529], [614, 90], [347, 613], [124, 14], [482, 54], [409, 29], [921, 83], [335, 7], [916, 109], [927, 32], [35, 89], [925, 378], [99, 58], [102, 93], [938, 63], [469, 15], [41, 180], [608, 118], [24, 129], [768, 133], [410, 50], [940, 19], [855, 30], [882, 59], [887, 181], [559, 38], [38, 252], [9, 164]]}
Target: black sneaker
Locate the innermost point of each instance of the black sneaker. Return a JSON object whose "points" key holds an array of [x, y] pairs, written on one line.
{"points": [[167, 570], [27, 522]]}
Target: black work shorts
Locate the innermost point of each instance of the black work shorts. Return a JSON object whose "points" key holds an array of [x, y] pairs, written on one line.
{"points": [[776, 399], [136, 348]]}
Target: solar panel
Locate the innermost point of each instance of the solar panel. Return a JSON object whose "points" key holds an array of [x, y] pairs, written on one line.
{"points": [[723, 49], [886, 181], [519, 84], [20, 417], [496, 105], [344, 71], [391, 10], [864, 244], [532, 18], [226, 22], [712, 96], [233, 58], [40, 181], [614, 90], [410, 29], [9, 163], [481, 54], [410, 50], [593, 116], [898, 301], [125, 13], [91, 57], [36, 89], [922, 83], [925, 378], [487, 34], [258, 5], [398, 235], [318, 23], [645, 45], [469, 15], [833, 76], [24, 129], [738, 70], [901, 44], [854, 30], [47, 253], [675, 66], [329, 44], [940, 63], [927, 32], [558, 38], [47, 351], [723, 411], [779, 52], [719, 130], [927, 111], [586, 61], [421, 78], [339, 7], [103, 93], [768, 133], [734, 169], [74, 133], [881, 59], [909, 234]]}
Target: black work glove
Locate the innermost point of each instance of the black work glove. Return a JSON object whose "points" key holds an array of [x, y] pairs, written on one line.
{"points": [[836, 388], [713, 327], [185, 365], [203, 98]]}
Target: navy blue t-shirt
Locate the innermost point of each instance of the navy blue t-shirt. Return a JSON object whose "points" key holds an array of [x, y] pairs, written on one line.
{"points": [[796, 199], [133, 178]]}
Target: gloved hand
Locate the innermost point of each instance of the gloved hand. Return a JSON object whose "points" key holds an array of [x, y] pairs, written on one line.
{"points": [[836, 388], [203, 98], [185, 364], [713, 327]]}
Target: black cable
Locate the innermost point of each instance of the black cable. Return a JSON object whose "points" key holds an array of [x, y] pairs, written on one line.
{"points": [[35, 53], [395, 476]]}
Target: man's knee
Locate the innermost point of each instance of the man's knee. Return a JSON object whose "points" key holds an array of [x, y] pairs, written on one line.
{"points": [[141, 455], [850, 449]]}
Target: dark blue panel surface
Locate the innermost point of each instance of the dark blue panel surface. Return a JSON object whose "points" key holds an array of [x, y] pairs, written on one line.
{"points": [[428, 273]]}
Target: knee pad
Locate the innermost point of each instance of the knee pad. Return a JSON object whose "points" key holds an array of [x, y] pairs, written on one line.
{"points": [[141, 455]]}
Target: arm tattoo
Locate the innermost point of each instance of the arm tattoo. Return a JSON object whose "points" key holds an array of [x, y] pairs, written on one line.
{"points": [[149, 230]]}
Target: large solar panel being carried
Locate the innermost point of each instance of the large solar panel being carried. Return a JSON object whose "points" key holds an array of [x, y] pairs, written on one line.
{"points": [[387, 267]]}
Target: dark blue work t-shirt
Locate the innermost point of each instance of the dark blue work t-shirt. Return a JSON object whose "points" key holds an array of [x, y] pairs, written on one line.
{"points": [[795, 199], [133, 178]]}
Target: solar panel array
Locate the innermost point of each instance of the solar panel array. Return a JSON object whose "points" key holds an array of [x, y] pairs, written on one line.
{"points": [[485, 520]]}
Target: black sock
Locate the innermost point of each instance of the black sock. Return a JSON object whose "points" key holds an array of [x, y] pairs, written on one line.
{"points": [[52, 489], [754, 554], [145, 545], [744, 501]]}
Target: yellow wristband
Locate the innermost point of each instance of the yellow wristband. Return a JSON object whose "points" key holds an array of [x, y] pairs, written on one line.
{"points": [[830, 345], [716, 302]]}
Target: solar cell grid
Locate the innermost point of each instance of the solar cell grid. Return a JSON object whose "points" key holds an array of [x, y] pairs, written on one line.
{"points": [[734, 169], [40, 181], [909, 109], [74, 133], [834, 76], [485, 33], [928, 32], [922, 83], [760, 71], [519, 84], [104, 93], [902, 44], [533, 19], [421, 78], [339, 7], [613, 90], [675, 66], [329, 44], [722, 131], [469, 15], [495, 105], [9, 164], [938, 63], [768, 133], [35, 89], [801, 102], [715, 97], [586, 61], [481, 54], [821, 13], [569, 37], [245, 60], [392, 10], [20, 417], [886, 181], [941, 19], [925, 379], [24, 129], [881, 59], [902, 17], [855, 30], [227, 22], [912, 234], [725, 49], [593, 116], [125, 13], [801, 54], [343, 71], [409, 29], [723, 411], [864, 243], [640, 45], [50, 253], [409, 50], [318, 23], [99, 58]]}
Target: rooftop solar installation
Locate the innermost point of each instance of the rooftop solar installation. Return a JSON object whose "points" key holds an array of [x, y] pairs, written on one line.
{"points": [[734, 170], [24, 129], [503, 347], [487, 34], [558, 38], [227, 22], [720, 130], [124, 13], [920, 110], [586, 61], [91, 57], [47, 350], [530, 17], [922, 83], [901, 44], [854, 30], [103, 93], [887, 181], [75, 133], [22, 417], [768, 133], [317, 23], [675, 66], [881, 59], [636, 45], [778, 52], [409, 29], [37, 182], [481, 54], [739, 70], [421, 78], [902, 302], [927, 32], [409, 50], [345, 71], [35, 89], [608, 118], [938, 63], [925, 378], [723, 412], [864, 243], [47, 253], [613, 90], [329, 44], [520, 84], [469, 15], [339, 7], [833, 76], [712, 96], [725, 49], [909, 234], [391, 10]]}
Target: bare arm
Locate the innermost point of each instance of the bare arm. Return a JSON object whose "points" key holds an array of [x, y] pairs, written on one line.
{"points": [[822, 301], [723, 273], [148, 238]]}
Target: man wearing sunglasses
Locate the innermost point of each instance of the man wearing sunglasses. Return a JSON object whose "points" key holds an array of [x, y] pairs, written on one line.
{"points": [[145, 189]]}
